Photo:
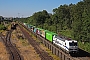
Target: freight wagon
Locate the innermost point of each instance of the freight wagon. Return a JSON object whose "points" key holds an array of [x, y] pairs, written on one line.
{"points": [[49, 35]]}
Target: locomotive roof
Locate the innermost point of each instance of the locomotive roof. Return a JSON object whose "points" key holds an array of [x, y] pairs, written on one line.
{"points": [[63, 39]]}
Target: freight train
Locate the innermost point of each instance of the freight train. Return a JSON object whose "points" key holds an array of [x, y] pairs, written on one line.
{"points": [[67, 45]]}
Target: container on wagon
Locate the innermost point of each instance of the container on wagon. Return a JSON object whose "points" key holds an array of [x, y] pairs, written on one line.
{"points": [[29, 25], [32, 28], [43, 33], [35, 30], [25, 24], [49, 35]]}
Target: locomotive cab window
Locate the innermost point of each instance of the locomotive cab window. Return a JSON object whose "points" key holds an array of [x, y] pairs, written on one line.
{"points": [[73, 43]]}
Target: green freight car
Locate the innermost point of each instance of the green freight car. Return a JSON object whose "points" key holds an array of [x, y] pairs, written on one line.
{"points": [[49, 35]]}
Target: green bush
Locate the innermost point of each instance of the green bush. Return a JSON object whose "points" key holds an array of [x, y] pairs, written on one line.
{"points": [[84, 46], [2, 27]]}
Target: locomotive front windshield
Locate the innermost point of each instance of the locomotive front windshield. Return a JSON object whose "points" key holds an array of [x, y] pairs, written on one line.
{"points": [[73, 43]]}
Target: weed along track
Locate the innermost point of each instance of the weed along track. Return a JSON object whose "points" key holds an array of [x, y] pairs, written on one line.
{"points": [[12, 50], [43, 55]]}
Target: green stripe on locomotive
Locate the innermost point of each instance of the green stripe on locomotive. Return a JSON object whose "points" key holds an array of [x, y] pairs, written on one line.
{"points": [[49, 35]]}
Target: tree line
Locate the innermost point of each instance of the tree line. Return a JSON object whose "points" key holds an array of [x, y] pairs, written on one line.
{"points": [[72, 17]]}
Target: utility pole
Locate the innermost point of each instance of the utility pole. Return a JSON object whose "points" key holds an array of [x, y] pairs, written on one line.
{"points": [[18, 15], [22, 16]]}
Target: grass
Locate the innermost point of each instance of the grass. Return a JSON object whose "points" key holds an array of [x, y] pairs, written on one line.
{"points": [[1, 31], [24, 42], [54, 56]]}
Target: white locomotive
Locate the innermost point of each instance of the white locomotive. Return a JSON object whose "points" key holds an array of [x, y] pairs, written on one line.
{"points": [[69, 46]]}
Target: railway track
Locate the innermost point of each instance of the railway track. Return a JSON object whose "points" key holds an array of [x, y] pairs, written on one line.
{"points": [[12, 50], [82, 55], [43, 55]]}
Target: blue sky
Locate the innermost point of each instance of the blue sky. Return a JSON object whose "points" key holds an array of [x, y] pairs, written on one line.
{"points": [[25, 8]]}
